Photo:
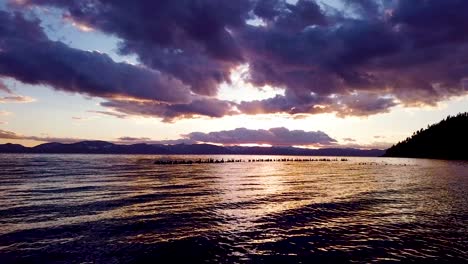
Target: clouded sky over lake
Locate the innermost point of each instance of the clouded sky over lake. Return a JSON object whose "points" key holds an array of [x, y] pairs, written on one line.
{"points": [[360, 73]]}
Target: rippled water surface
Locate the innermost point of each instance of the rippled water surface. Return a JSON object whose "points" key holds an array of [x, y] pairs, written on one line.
{"points": [[114, 209]]}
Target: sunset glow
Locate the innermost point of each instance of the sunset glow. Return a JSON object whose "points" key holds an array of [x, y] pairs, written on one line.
{"points": [[260, 71]]}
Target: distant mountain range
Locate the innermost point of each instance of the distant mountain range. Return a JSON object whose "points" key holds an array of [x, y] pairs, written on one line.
{"points": [[103, 147], [447, 139]]}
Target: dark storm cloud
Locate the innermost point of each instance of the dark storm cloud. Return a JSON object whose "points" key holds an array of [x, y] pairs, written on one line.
{"points": [[27, 55], [389, 53], [289, 17], [365, 8], [189, 40], [275, 136], [363, 60]]}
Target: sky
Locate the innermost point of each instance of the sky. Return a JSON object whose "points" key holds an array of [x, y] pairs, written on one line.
{"points": [[349, 73]]}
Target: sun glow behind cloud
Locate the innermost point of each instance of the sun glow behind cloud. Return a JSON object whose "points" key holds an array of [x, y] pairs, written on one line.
{"points": [[80, 26], [81, 35], [241, 90]]}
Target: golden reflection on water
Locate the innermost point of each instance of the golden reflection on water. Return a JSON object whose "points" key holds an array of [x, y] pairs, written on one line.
{"points": [[252, 203], [270, 188]]}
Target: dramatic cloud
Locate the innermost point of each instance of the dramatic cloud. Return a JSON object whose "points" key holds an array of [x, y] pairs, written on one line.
{"points": [[275, 136], [361, 59], [30, 57], [189, 40], [388, 49], [26, 49]]}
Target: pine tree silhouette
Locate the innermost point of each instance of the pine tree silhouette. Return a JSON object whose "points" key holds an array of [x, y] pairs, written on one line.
{"points": [[447, 139]]}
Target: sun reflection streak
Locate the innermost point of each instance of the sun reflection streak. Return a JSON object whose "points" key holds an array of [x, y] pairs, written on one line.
{"points": [[240, 210]]}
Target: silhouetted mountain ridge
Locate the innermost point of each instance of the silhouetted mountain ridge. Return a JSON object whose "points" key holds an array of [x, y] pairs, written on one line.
{"points": [[103, 147], [444, 140]]}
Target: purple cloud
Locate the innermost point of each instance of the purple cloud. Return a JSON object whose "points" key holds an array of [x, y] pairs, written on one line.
{"points": [[189, 40], [356, 104], [26, 49], [361, 61], [393, 52], [275, 136], [30, 57]]}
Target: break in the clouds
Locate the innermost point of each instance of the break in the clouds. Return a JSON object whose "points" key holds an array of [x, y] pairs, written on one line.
{"points": [[361, 59], [279, 136]]}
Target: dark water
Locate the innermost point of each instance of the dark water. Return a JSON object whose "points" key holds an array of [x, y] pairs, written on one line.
{"points": [[118, 209]]}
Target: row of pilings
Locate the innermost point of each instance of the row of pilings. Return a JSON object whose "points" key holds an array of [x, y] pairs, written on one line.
{"points": [[211, 160]]}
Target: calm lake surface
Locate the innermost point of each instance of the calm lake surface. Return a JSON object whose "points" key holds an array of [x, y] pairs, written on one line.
{"points": [[120, 209]]}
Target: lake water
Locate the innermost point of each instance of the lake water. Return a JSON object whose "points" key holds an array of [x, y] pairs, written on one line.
{"points": [[125, 209]]}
